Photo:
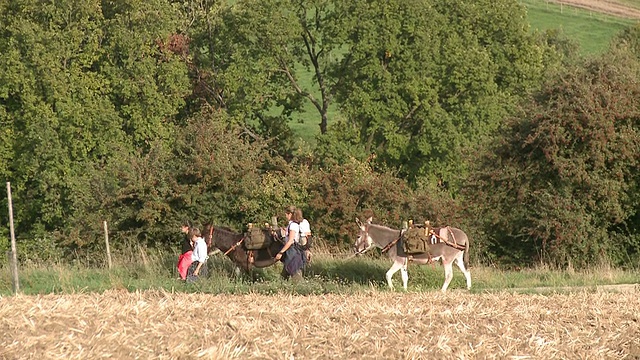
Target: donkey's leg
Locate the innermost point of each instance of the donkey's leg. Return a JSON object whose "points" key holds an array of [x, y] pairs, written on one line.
{"points": [[404, 274], [448, 274], [397, 265], [465, 271]]}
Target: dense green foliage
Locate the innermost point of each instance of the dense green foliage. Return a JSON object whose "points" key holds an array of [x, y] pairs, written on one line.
{"points": [[423, 82], [82, 85], [562, 179], [143, 114]]}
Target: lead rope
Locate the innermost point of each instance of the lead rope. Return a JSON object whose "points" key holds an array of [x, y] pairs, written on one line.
{"points": [[234, 246], [447, 242], [389, 245]]}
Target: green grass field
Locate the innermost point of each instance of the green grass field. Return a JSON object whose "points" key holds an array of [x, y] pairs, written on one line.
{"points": [[591, 30], [306, 125], [327, 274]]}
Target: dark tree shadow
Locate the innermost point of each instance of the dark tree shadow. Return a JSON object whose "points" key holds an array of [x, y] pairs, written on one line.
{"points": [[353, 271]]}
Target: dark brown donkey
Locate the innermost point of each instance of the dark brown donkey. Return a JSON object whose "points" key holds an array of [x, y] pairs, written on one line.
{"points": [[231, 244]]}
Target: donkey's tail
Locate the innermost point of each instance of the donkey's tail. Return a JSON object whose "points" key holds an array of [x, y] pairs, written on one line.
{"points": [[465, 257]]}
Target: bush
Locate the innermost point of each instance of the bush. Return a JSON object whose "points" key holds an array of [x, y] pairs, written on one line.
{"points": [[563, 174]]}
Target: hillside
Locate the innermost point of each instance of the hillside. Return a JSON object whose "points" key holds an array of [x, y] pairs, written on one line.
{"points": [[616, 8]]}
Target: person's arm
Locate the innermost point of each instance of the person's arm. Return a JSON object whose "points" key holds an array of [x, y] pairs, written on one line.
{"points": [[196, 272], [287, 245], [201, 249]]}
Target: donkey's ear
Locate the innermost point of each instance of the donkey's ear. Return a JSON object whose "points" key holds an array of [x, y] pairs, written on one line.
{"points": [[358, 222], [369, 220]]}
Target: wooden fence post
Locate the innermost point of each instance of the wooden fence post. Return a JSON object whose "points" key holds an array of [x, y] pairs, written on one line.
{"points": [[106, 240], [14, 252]]}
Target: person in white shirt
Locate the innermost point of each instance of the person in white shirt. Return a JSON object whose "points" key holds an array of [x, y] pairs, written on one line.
{"points": [[199, 256], [292, 256], [305, 232], [305, 237]]}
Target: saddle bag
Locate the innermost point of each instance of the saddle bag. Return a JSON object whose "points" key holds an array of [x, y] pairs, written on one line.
{"points": [[415, 241], [305, 242], [257, 238]]}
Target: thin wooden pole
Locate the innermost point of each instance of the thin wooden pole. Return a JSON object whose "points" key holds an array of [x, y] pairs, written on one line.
{"points": [[106, 241], [14, 252]]}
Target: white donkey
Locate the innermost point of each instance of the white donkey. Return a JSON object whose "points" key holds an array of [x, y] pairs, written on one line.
{"points": [[451, 245]]}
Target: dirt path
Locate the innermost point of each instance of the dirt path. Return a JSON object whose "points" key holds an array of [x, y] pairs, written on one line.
{"points": [[604, 6]]}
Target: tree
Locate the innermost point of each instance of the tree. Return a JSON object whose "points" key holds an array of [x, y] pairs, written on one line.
{"points": [[257, 58], [80, 83], [52, 103], [629, 39], [423, 80], [561, 179], [148, 76], [212, 173]]}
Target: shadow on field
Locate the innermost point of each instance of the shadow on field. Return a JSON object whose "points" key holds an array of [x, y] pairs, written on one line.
{"points": [[220, 266], [361, 271], [326, 272], [350, 271]]}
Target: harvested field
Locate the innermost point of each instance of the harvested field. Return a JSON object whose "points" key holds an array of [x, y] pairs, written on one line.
{"points": [[386, 325], [604, 6]]}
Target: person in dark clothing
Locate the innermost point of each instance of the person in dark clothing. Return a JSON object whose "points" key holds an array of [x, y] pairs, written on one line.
{"points": [[186, 242], [184, 261]]}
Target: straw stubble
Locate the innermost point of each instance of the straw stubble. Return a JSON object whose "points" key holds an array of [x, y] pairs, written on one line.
{"points": [[162, 325]]}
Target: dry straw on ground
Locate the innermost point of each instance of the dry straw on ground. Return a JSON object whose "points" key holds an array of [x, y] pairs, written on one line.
{"points": [[459, 325]]}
